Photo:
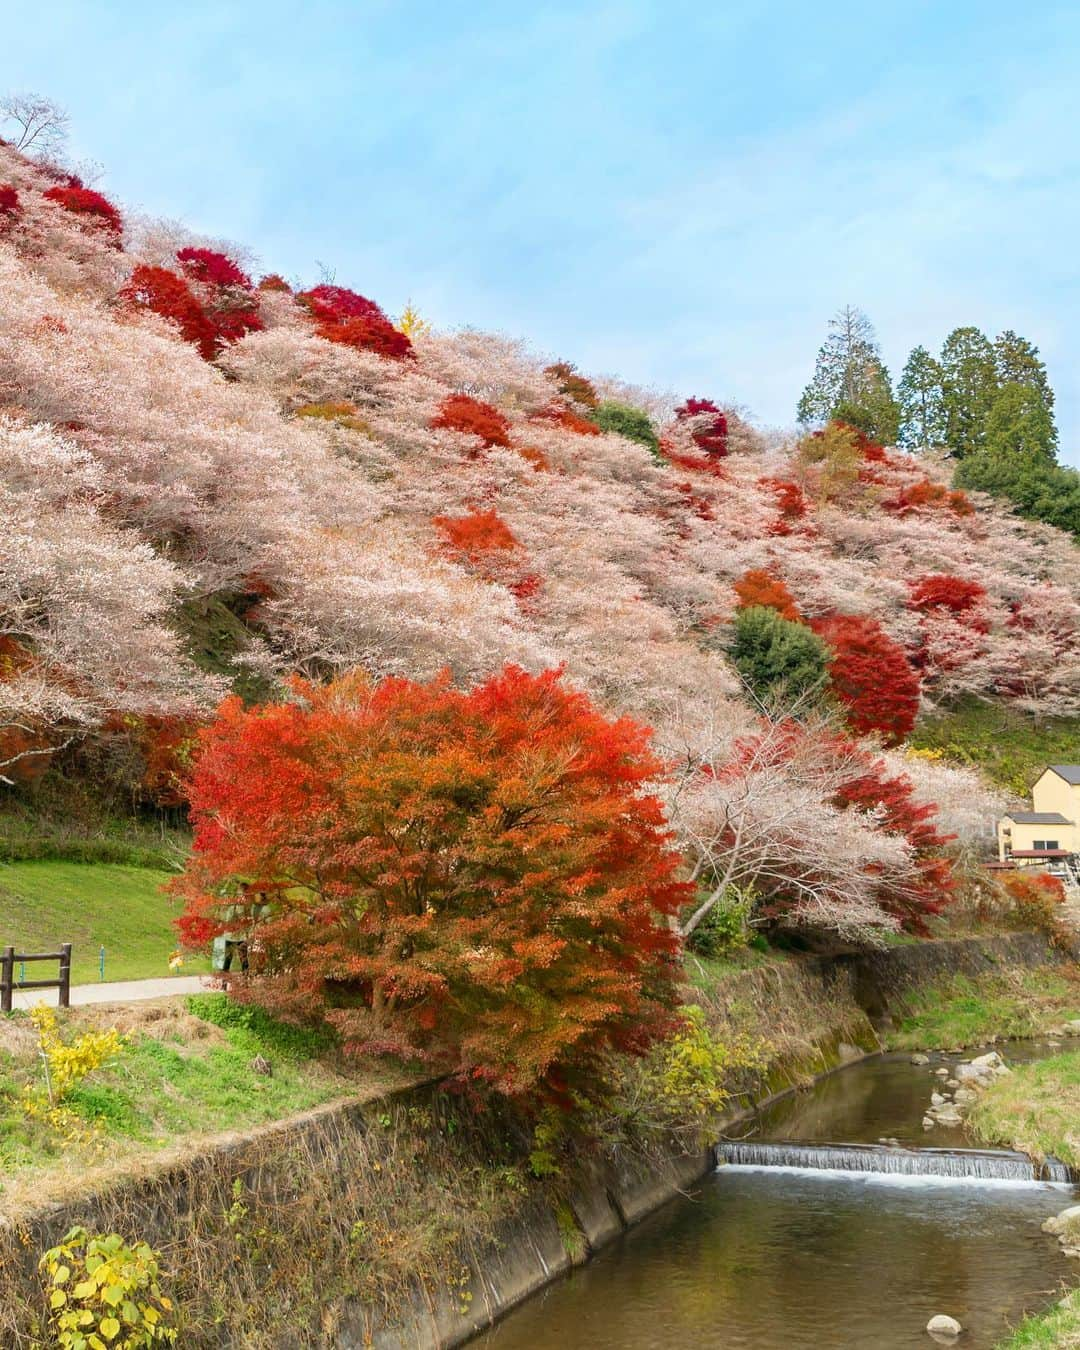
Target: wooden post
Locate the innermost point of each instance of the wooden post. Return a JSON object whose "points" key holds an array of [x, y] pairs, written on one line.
{"points": [[65, 975], [7, 978]]}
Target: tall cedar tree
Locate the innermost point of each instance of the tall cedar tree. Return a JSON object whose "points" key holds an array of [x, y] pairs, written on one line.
{"points": [[481, 881], [969, 385], [922, 410], [850, 383]]}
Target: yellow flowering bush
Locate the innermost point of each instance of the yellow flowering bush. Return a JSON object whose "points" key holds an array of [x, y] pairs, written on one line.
{"points": [[68, 1063]]}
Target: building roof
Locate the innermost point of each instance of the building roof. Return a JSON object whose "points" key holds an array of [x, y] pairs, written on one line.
{"points": [[1037, 818], [1070, 772]]}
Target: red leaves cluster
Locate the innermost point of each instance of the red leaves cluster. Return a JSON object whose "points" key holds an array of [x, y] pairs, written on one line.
{"points": [[84, 201], [481, 881], [353, 320], [759, 587], [711, 433], [211, 268], [927, 495], [212, 309], [944, 592], [1037, 899], [477, 534], [9, 201], [486, 542], [571, 383], [23, 748], [870, 676], [791, 501], [163, 292], [471, 417], [1032, 891], [565, 417], [892, 799]]}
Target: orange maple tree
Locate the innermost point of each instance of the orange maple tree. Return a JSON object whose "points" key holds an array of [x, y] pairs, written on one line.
{"points": [[760, 587], [481, 881]]}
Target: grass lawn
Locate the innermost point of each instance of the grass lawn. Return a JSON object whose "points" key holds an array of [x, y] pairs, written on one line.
{"points": [[1035, 1109], [184, 1071], [1008, 746], [1058, 1329], [962, 1011], [91, 905]]}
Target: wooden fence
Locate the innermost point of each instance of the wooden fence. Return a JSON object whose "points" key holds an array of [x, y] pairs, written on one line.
{"points": [[8, 983]]}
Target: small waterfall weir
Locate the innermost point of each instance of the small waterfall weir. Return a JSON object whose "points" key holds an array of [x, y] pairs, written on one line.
{"points": [[975, 1164]]}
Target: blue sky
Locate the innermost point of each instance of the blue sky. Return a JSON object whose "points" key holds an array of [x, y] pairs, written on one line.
{"points": [[678, 193]]}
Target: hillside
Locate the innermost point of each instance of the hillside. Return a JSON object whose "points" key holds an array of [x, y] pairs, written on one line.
{"points": [[210, 483]]}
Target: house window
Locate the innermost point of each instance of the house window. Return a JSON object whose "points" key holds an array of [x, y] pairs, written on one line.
{"points": [[1044, 845]]}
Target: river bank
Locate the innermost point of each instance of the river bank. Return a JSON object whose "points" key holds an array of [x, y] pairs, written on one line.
{"points": [[415, 1219]]}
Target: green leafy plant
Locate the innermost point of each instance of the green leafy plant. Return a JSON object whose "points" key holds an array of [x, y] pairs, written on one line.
{"points": [[104, 1294], [691, 1078], [625, 420], [726, 927]]}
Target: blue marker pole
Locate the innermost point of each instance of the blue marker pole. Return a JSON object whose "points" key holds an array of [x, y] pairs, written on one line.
{"points": [[22, 972], [101, 964]]}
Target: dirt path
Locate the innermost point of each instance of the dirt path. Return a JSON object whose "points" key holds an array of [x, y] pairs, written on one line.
{"points": [[122, 991]]}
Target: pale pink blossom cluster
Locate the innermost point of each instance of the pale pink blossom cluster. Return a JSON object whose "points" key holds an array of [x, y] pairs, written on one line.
{"points": [[311, 478]]}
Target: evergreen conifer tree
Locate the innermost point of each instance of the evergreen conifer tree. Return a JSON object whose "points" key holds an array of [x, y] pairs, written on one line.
{"points": [[921, 399], [969, 386], [850, 383]]}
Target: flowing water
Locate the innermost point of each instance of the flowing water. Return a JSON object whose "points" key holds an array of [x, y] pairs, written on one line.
{"points": [[798, 1243]]}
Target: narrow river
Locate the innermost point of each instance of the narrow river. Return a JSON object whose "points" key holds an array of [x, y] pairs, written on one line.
{"points": [[778, 1258]]}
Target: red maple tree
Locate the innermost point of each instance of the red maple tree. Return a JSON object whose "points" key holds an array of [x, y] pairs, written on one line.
{"points": [[946, 592], [84, 201], [870, 676], [481, 881], [711, 434], [460, 412], [351, 319], [892, 798], [164, 293]]}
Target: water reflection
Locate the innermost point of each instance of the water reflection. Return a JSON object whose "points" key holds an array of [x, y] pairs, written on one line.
{"points": [[776, 1260]]}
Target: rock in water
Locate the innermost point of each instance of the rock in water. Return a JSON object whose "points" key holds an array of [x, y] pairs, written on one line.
{"points": [[944, 1326], [920, 1059]]}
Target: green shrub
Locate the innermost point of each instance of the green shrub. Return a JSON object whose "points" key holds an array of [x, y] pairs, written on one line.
{"points": [[624, 420], [782, 661], [43, 848], [726, 927], [280, 1037]]}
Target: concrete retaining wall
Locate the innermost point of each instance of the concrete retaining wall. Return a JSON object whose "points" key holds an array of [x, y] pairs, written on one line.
{"points": [[824, 1004]]}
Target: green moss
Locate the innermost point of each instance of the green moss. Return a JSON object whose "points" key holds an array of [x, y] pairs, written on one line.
{"points": [[1011, 747], [214, 636]]}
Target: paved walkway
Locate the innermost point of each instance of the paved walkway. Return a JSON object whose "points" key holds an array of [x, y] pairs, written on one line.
{"points": [[123, 991]]}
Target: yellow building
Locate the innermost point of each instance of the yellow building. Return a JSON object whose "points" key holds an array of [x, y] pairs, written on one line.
{"points": [[1049, 835]]}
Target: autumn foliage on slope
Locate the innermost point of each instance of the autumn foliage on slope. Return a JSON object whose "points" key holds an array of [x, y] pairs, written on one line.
{"points": [[480, 880], [871, 676]]}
